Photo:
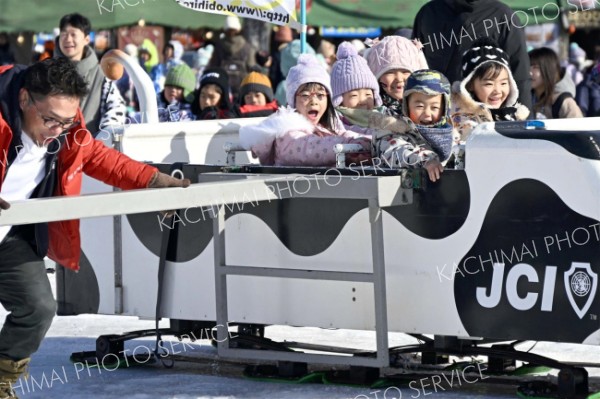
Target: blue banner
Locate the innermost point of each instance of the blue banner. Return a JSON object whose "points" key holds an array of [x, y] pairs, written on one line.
{"points": [[332, 31]]}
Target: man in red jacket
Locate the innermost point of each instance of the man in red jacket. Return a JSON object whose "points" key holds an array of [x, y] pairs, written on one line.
{"points": [[44, 150]]}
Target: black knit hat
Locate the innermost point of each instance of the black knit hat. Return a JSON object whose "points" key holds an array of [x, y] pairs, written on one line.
{"points": [[216, 76], [484, 51]]}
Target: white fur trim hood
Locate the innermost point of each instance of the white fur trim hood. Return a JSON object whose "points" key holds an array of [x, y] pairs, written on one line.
{"points": [[463, 102], [514, 90], [284, 120]]}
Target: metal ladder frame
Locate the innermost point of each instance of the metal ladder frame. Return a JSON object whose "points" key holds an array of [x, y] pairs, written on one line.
{"points": [[376, 200]]}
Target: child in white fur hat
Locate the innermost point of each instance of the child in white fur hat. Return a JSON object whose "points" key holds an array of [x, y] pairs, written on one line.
{"points": [[306, 134]]}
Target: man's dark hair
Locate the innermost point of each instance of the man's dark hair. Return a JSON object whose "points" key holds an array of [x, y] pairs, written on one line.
{"points": [[76, 21], [55, 76]]}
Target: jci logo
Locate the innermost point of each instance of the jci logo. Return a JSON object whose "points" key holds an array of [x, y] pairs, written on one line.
{"points": [[580, 284]]}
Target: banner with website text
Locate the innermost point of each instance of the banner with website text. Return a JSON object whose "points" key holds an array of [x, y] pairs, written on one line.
{"points": [[278, 12]]}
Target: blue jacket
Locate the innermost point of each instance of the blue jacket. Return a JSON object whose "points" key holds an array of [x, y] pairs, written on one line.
{"points": [[588, 97]]}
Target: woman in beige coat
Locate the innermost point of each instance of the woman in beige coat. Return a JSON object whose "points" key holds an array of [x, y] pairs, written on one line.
{"points": [[553, 90]]}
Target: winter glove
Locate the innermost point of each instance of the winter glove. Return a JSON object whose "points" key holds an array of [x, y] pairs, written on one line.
{"points": [[162, 180], [4, 204]]}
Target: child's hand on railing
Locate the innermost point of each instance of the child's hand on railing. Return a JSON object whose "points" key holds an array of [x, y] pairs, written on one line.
{"points": [[434, 169]]}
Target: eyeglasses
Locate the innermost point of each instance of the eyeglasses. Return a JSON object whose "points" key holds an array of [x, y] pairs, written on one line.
{"points": [[306, 96], [49, 122]]}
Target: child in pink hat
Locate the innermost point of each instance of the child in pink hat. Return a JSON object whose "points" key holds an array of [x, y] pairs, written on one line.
{"points": [[392, 60], [305, 133]]}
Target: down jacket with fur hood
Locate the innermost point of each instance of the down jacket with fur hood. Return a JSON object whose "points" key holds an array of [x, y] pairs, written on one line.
{"points": [[467, 112]]}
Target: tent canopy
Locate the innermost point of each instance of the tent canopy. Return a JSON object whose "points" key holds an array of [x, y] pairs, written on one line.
{"points": [[43, 15]]}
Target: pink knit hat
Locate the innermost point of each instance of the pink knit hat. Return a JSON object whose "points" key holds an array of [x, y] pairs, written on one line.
{"points": [[307, 70], [395, 52], [351, 72]]}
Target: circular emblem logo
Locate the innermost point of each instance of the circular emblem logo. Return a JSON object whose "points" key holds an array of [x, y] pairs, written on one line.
{"points": [[581, 284]]}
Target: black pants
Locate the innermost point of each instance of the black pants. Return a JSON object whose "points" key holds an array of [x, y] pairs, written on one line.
{"points": [[26, 293]]}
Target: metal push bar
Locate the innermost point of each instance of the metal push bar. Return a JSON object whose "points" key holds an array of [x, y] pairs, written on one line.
{"points": [[379, 191]]}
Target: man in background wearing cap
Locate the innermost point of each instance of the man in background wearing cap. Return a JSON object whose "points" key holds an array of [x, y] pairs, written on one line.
{"points": [[234, 54], [256, 96]]}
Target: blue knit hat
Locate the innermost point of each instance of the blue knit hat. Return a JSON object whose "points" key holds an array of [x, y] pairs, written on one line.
{"points": [[308, 70], [432, 83], [351, 72]]}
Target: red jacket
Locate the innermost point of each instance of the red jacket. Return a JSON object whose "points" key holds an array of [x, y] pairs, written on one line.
{"points": [[79, 153]]}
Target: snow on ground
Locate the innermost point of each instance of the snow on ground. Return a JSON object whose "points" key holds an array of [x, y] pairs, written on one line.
{"points": [[53, 375]]}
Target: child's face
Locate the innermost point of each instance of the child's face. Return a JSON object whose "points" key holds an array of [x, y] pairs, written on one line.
{"points": [[312, 103], [210, 96], [255, 98], [393, 82], [424, 109], [173, 93], [360, 98], [492, 92]]}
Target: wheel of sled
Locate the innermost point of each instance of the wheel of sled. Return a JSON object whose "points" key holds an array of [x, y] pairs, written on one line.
{"points": [[109, 345]]}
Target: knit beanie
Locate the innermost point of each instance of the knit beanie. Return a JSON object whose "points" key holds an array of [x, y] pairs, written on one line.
{"points": [[484, 51], [431, 83], [395, 52], [256, 81], [181, 76], [232, 22], [216, 76], [308, 70], [351, 72]]}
